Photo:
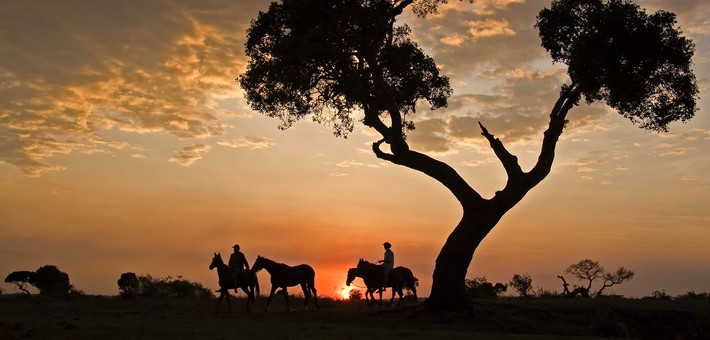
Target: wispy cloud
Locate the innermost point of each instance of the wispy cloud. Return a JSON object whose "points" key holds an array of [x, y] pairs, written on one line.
{"points": [[252, 143], [190, 154]]}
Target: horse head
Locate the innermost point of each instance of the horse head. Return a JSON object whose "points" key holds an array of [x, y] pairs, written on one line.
{"points": [[216, 261], [258, 264], [352, 273]]}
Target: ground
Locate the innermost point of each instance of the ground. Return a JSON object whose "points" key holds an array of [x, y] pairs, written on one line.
{"points": [[98, 317]]}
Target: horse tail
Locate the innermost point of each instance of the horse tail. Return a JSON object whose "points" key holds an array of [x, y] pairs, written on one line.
{"points": [[410, 281]]}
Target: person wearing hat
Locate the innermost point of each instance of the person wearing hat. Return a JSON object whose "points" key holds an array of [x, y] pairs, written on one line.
{"points": [[387, 263], [237, 263]]}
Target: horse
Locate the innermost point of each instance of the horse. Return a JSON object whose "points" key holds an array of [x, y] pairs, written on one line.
{"points": [[248, 282], [284, 276], [373, 275]]}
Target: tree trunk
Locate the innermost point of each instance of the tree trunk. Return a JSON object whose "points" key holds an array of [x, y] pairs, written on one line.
{"points": [[449, 279]]}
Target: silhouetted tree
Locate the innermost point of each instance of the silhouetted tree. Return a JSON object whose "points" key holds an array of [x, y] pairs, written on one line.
{"points": [[619, 276], [589, 270], [328, 58], [586, 270], [522, 283], [51, 281], [21, 279], [128, 285]]}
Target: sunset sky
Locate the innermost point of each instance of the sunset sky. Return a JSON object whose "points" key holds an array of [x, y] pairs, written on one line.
{"points": [[126, 146]]}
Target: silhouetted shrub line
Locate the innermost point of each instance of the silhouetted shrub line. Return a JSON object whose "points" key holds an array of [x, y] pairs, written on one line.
{"points": [[131, 285]]}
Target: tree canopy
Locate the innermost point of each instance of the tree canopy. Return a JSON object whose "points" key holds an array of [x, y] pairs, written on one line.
{"points": [[638, 63], [327, 58]]}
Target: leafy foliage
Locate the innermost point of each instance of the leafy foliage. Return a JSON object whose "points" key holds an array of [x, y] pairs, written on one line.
{"points": [[327, 58], [522, 283], [146, 286], [51, 281], [638, 63], [480, 288], [128, 285]]}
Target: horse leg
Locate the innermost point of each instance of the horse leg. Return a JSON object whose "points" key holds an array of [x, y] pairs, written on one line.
{"points": [[288, 307], [229, 302], [315, 298], [219, 300], [268, 302], [392, 299], [306, 295], [249, 294], [380, 297]]}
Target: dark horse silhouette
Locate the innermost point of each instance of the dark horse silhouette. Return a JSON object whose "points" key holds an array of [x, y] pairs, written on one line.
{"points": [[284, 276], [373, 275], [248, 281]]}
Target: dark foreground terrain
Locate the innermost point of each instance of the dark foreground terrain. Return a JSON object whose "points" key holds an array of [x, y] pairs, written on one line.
{"points": [[95, 317]]}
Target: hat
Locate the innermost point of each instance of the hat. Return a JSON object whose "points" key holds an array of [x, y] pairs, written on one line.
{"points": [[236, 246], [387, 245]]}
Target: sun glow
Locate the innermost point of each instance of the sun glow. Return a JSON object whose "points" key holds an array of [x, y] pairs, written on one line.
{"points": [[345, 292]]}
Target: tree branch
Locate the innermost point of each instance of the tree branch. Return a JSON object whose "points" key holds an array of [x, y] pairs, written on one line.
{"points": [[438, 170], [510, 162]]}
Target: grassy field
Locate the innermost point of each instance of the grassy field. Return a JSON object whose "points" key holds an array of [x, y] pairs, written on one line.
{"points": [[96, 317]]}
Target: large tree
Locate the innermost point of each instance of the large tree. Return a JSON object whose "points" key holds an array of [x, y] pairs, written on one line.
{"points": [[326, 59]]}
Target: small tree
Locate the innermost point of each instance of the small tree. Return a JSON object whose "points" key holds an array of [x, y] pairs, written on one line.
{"points": [[588, 270], [21, 279], [128, 285], [52, 281], [522, 283]]}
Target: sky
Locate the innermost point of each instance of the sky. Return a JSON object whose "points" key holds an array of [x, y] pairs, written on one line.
{"points": [[127, 146]]}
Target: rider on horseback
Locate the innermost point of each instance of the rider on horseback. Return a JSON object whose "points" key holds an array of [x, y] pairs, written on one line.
{"points": [[237, 263], [387, 263]]}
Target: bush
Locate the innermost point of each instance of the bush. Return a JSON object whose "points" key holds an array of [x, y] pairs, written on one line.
{"points": [[355, 295], [480, 288], [128, 285], [522, 283]]}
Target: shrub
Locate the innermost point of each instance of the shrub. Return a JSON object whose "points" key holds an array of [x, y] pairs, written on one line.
{"points": [[355, 295], [480, 288]]}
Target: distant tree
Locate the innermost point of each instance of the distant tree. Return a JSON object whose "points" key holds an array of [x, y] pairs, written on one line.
{"points": [[355, 295], [21, 279], [522, 283], [480, 288], [327, 59], [589, 270], [128, 285], [52, 281], [619, 276], [586, 270]]}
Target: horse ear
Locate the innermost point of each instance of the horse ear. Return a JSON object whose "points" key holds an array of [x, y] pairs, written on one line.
{"points": [[215, 254]]}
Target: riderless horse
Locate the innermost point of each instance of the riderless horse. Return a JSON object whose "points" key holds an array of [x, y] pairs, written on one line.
{"points": [[284, 276], [248, 281], [373, 275]]}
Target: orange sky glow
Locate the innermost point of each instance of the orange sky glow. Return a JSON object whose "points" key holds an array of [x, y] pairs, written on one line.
{"points": [[126, 146]]}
